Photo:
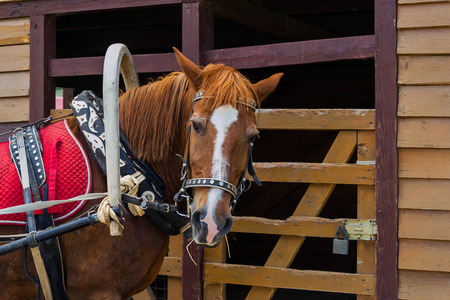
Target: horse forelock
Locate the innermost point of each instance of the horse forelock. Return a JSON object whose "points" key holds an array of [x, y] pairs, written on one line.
{"points": [[151, 116], [225, 85]]}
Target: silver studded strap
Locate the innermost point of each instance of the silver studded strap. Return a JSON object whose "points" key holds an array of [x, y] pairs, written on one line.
{"points": [[212, 183], [33, 148]]}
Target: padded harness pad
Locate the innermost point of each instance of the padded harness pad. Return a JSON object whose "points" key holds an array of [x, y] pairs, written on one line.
{"points": [[67, 168]]}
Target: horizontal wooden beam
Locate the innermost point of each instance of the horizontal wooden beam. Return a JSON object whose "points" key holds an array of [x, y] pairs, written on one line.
{"points": [[361, 284], [295, 226], [316, 173], [45, 7], [295, 53], [83, 66], [317, 119], [304, 52]]}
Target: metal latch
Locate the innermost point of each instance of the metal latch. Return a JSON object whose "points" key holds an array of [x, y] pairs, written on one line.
{"points": [[361, 229]]}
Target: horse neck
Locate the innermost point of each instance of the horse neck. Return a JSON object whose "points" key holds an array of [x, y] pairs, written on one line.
{"points": [[156, 130]]}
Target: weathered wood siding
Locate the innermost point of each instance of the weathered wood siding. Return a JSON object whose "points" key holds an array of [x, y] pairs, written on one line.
{"points": [[424, 149], [14, 70]]}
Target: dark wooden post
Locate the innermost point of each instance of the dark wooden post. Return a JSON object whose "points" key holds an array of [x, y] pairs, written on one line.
{"points": [[42, 49], [386, 153], [197, 33]]}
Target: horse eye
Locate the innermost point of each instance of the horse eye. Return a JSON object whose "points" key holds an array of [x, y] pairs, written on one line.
{"points": [[195, 127]]}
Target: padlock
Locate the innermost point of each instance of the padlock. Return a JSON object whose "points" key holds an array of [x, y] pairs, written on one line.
{"points": [[340, 246]]}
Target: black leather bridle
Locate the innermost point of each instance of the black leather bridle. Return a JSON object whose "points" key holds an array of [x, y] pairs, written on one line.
{"points": [[235, 191]]}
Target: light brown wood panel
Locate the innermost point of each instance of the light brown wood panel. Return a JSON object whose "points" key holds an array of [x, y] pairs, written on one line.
{"points": [[424, 41], [424, 15], [416, 70], [423, 285], [174, 284], [15, 31], [297, 226], [423, 133], [424, 101], [316, 173], [14, 84], [427, 225], [424, 194], [15, 58], [214, 290], [60, 113], [171, 266], [290, 278], [424, 163], [424, 255], [317, 119], [14, 109]]}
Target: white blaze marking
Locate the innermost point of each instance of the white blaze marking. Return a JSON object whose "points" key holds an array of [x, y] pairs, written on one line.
{"points": [[222, 118]]}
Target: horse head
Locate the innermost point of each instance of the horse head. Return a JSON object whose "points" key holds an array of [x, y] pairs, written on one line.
{"points": [[221, 131]]}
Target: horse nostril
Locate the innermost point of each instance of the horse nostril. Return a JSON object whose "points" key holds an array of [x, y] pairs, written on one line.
{"points": [[228, 224], [195, 218]]}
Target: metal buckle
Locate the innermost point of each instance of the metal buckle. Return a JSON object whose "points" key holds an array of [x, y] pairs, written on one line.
{"points": [[166, 207], [144, 203]]}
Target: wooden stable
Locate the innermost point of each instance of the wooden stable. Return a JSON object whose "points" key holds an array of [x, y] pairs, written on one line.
{"points": [[346, 136]]}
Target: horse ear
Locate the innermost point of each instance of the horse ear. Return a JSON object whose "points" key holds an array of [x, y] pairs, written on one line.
{"points": [[189, 68], [266, 86]]}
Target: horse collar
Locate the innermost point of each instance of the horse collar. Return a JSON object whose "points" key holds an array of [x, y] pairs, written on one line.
{"points": [[235, 191]]}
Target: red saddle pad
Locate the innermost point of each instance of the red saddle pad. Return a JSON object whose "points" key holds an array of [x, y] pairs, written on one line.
{"points": [[66, 167]]}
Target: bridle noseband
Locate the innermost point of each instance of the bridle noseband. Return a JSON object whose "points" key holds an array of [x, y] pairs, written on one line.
{"points": [[235, 191]]}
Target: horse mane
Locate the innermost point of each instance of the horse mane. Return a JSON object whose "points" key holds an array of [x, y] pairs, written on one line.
{"points": [[225, 85], [151, 117]]}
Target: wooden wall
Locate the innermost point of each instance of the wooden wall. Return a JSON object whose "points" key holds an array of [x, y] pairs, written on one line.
{"points": [[14, 70], [424, 149]]}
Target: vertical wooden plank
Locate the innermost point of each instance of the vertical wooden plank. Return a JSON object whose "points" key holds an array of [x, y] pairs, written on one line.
{"points": [[311, 204], [174, 286], [197, 35], [366, 207], [386, 153], [215, 291], [192, 271], [42, 49], [197, 31]]}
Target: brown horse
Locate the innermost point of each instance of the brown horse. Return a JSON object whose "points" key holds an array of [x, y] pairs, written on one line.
{"points": [[155, 120]]}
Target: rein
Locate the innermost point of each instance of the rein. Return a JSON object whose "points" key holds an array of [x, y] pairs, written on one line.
{"points": [[235, 191]]}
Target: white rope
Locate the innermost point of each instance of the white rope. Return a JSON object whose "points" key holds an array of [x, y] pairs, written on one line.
{"points": [[46, 204], [128, 184]]}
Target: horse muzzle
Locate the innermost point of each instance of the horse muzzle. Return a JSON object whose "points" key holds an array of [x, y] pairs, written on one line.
{"points": [[209, 228]]}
